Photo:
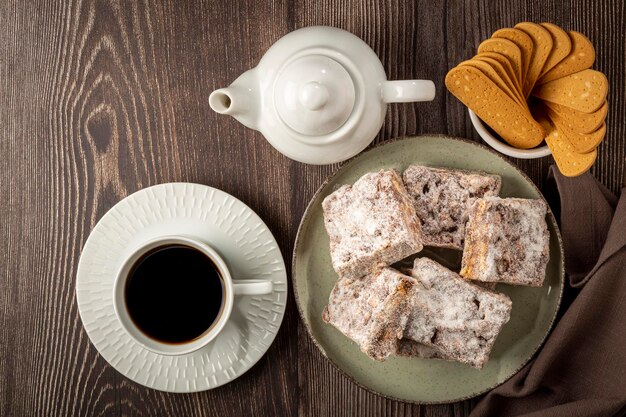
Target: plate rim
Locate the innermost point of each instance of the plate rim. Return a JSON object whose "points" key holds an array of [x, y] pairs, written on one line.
{"points": [[119, 204], [298, 243]]}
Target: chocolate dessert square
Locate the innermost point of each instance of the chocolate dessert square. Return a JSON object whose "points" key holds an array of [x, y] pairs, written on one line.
{"points": [[442, 198], [506, 240], [456, 319], [371, 310], [370, 223]]}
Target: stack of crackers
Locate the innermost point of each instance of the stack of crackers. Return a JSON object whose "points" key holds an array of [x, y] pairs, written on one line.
{"points": [[534, 83]]}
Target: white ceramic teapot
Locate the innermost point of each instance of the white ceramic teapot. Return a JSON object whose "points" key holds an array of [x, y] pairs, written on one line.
{"points": [[319, 95]]}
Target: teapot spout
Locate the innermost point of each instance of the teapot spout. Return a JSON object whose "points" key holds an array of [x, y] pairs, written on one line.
{"points": [[221, 101], [239, 100]]}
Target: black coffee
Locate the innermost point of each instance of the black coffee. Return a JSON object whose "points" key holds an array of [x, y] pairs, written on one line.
{"points": [[174, 293]]}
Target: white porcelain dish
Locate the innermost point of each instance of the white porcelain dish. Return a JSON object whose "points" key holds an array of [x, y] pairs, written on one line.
{"points": [[502, 147]]}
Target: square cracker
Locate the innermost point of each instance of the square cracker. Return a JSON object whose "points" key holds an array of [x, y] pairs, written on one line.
{"points": [[581, 57], [584, 91], [570, 162], [578, 121], [503, 114], [542, 48], [523, 42], [508, 49], [561, 48]]}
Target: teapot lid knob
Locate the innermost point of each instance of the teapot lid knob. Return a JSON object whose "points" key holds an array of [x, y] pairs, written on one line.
{"points": [[314, 95]]}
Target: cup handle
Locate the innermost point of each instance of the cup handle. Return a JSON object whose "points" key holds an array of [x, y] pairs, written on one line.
{"points": [[252, 287], [406, 91]]}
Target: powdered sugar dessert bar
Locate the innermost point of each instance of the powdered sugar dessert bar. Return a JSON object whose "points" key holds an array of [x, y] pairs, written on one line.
{"points": [[442, 198], [369, 223], [506, 240], [458, 320], [371, 310], [412, 349]]}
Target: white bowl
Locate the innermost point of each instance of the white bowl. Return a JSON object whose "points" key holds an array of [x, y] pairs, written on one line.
{"points": [[502, 147]]}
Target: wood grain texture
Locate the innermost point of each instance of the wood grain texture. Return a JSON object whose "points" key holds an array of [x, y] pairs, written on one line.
{"points": [[101, 98]]}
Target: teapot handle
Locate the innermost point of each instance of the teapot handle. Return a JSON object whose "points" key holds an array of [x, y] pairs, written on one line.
{"points": [[406, 91]]}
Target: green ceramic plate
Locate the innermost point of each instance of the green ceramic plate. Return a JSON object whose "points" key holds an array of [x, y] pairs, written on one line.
{"points": [[425, 380]]}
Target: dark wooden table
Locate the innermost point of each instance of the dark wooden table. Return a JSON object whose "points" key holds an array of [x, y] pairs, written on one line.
{"points": [[99, 99]]}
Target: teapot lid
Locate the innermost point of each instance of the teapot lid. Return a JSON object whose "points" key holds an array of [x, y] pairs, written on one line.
{"points": [[314, 95]]}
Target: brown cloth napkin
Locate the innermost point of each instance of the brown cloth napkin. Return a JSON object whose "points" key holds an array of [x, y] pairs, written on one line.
{"points": [[581, 369]]}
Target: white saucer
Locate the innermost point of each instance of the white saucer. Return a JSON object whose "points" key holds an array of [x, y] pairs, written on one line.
{"points": [[241, 238]]}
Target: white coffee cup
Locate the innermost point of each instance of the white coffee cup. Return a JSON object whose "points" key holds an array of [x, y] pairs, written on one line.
{"points": [[230, 288]]}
